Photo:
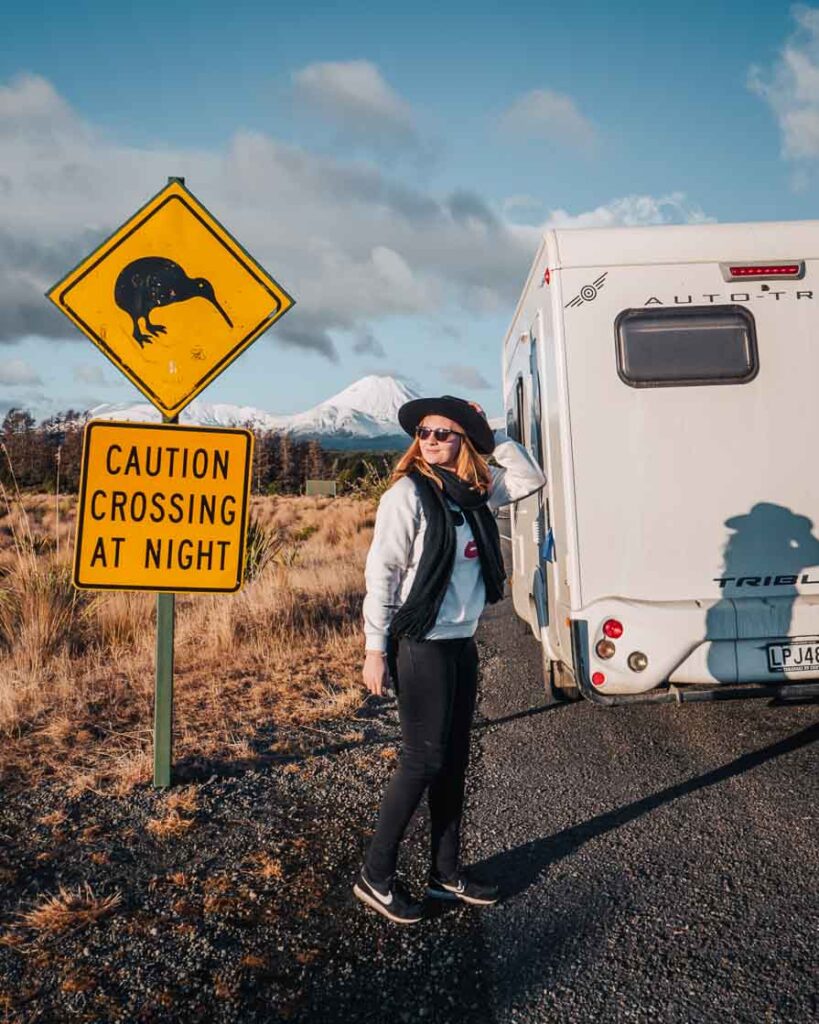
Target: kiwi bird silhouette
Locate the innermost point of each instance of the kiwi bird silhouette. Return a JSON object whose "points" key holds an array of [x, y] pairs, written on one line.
{"points": [[154, 281]]}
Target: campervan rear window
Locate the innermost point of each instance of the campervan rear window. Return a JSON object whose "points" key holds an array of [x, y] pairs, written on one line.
{"points": [[695, 345]]}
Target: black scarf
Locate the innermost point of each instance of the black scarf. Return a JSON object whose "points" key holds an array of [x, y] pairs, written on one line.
{"points": [[418, 613]]}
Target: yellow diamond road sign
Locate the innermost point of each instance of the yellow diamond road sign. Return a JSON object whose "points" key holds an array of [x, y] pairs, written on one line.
{"points": [[171, 298], [162, 507]]}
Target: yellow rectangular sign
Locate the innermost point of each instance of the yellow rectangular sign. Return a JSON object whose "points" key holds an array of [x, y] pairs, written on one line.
{"points": [[162, 507]]}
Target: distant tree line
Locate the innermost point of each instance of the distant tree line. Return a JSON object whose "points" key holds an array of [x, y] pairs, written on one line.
{"points": [[282, 464], [47, 456], [33, 457]]}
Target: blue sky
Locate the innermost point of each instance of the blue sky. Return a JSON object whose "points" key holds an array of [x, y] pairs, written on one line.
{"points": [[392, 167]]}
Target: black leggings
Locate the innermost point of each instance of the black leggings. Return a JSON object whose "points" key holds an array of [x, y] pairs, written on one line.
{"points": [[437, 685]]}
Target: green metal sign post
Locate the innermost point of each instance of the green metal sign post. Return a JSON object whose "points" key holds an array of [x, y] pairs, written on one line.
{"points": [[163, 700], [163, 692]]}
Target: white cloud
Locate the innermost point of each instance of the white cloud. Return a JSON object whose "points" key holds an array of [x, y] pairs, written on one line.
{"points": [[511, 204], [88, 373], [17, 372], [791, 87], [549, 116], [633, 211], [464, 376], [392, 371], [355, 97], [365, 342], [352, 244], [31, 104]]}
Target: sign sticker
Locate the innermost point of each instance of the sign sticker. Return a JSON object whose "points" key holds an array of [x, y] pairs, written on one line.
{"points": [[162, 507]]}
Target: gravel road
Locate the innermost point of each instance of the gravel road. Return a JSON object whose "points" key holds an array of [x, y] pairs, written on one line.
{"points": [[658, 864]]}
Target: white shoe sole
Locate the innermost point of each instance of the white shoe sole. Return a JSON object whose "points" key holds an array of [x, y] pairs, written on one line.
{"points": [[443, 894], [385, 911]]}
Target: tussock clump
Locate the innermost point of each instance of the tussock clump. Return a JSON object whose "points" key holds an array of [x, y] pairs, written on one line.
{"points": [[170, 827], [77, 669], [180, 808], [41, 613], [68, 910], [262, 865], [123, 619]]}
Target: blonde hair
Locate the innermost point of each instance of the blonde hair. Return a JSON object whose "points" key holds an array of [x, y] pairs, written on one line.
{"points": [[471, 466]]}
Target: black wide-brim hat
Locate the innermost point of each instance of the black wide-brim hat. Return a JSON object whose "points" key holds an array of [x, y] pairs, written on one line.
{"points": [[475, 426]]}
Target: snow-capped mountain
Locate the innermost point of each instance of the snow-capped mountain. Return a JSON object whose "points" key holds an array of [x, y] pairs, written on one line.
{"points": [[204, 414], [368, 408], [363, 415]]}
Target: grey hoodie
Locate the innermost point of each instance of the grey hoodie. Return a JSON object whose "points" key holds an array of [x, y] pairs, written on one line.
{"points": [[398, 540]]}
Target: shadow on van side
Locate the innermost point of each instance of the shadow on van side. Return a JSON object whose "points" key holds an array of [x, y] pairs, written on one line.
{"points": [[765, 555]]}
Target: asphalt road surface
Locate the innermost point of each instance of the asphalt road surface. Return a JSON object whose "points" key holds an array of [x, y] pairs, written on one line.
{"points": [[659, 863]]}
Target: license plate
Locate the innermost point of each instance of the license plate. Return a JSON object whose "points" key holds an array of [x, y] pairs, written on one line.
{"points": [[798, 655]]}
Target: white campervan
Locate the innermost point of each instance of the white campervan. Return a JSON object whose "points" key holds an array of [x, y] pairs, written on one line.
{"points": [[667, 378]]}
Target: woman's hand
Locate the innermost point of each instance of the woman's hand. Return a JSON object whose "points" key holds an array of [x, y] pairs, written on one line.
{"points": [[375, 672]]}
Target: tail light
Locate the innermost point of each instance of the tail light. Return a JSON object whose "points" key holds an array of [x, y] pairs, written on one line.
{"points": [[793, 270], [598, 678], [637, 661], [613, 629], [604, 649]]}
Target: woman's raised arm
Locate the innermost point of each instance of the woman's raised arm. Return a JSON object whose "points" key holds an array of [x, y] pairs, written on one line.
{"points": [[517, 476]]}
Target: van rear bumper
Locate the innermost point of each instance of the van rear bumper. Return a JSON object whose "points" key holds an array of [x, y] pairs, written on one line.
{"points": [[671, 693], [707, 641], [748, 661]]}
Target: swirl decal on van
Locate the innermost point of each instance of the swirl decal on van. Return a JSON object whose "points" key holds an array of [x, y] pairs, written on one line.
{"points": [[588, 293]]}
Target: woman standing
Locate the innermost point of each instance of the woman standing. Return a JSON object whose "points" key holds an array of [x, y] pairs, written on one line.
{"points": [[433, 564]]}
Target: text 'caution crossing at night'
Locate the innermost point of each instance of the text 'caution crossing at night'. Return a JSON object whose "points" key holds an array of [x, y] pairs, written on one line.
{"points": [[162, 507]]}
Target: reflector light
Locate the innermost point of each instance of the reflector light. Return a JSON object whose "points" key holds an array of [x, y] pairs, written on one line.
{"points": [[637, 661], [605, 649], [613, 629], [767, 270], [598, 679]]}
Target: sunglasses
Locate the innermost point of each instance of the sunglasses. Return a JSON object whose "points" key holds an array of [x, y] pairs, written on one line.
{"points": [[441, 433]]}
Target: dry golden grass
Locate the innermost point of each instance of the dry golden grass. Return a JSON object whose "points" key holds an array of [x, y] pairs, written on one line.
{"points": [[180, 807], [254, 962], [169, 827], [77, 668], [183, 801], [81, 981], [68, 910], [55, 818], [262, 865]]}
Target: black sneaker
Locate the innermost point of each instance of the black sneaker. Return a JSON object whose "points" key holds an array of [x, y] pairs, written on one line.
{"points": [[392, 901], [462, 887]]}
